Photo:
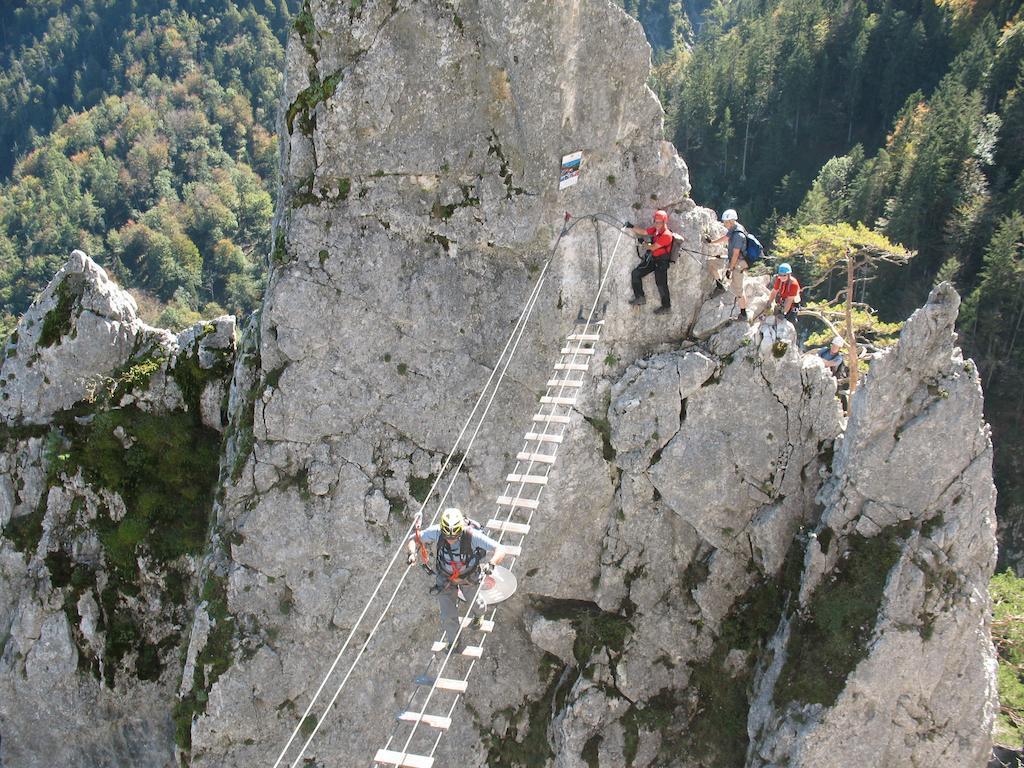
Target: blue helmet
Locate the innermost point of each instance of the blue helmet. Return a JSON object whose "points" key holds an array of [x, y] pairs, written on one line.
{"points": [[785, 269]]}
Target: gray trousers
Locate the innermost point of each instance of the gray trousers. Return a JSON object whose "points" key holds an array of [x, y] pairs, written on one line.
{"points": [[448, 602]]}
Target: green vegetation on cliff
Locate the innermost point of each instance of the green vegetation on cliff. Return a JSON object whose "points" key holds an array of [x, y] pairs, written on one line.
{"points": [[1008, 635]]}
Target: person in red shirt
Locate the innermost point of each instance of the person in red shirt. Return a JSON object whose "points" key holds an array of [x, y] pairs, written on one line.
{"points": [[785, 293], [656, 261]]}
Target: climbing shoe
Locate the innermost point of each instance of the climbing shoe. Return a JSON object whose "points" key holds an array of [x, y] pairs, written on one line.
{"points": [[478, 622], [636, 301], [459, 648], [662, 310], [743, 315]]}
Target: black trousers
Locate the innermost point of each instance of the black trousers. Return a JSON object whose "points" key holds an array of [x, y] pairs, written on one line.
{"points": [[660, 269], [791, 315]]}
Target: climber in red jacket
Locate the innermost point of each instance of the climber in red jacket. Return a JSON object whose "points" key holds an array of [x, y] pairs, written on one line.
{"points": [[656, 259]]}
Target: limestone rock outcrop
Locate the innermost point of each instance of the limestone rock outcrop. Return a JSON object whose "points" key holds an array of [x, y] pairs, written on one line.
{"points": [[661, 582], [725, 570], [109, 455], [905, 542]]}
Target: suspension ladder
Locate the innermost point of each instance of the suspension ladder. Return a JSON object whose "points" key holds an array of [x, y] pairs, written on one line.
{"points": [[436, 694]]}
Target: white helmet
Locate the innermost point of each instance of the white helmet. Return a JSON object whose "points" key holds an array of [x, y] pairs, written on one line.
{"points": [[729, 215], [838, 341]]}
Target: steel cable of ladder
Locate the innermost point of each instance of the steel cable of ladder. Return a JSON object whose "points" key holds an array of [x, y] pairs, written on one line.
{"points": [[398, 586], [503, 526], [581, 338], [514, 339], [517, 329]]}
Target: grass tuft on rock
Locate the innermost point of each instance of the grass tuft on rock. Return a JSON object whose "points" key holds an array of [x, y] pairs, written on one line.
{"points": [[830, 637], [59, 320], [1007, 592]]}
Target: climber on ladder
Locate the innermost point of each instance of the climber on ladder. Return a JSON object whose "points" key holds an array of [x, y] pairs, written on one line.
{"points": [[460, 551]]}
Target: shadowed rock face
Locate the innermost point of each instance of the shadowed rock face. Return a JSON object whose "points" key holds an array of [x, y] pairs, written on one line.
{"points": [[725, 570]]}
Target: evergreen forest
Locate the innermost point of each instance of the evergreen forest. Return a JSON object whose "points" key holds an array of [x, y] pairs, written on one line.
{"points": [[143, 132], [905, 117]]}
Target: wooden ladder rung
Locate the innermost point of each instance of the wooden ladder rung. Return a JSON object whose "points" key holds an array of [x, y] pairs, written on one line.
{"points": [[486, 626], [543, 458], [451, 684], [565, 383], [434, 721], [512, 501], [391, 757], [572, 366], [552, 418], [583, 337], [528, 479], [512, 550], [508, 527], [580, 351], [540, 437], [472, 651], [547, 400]]}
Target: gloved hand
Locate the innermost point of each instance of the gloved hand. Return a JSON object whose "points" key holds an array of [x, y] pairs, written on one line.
{"points": [[487, 568], [728, 274], [628, 225], [411, 558]]}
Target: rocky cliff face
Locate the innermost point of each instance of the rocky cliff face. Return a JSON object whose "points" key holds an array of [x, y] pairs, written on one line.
{"points": [[108, 463], [712, 507], [725, 570]]}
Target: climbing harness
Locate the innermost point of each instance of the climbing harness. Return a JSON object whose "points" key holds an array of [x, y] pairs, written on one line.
{"points": [[527, 476]]}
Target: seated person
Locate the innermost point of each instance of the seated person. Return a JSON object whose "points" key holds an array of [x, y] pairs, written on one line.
{"points": [[785, 294], [832, 355]]}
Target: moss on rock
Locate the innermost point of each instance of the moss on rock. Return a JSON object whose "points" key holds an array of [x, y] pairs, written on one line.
{"points": [[165, 477], [59, 321], [830, 637]]}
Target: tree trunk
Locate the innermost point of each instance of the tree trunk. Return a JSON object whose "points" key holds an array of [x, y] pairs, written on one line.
{"points": [[746, 139], [850, 338], [1016, 329]]}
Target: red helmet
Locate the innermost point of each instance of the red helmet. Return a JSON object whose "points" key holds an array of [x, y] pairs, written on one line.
{"points": [[660, 216]]}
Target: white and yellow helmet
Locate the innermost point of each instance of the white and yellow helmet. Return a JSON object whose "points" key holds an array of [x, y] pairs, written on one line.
{"points": [[453, 523]]}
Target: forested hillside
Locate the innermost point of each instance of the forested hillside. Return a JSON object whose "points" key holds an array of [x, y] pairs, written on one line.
{"points": [[143, 132], [904, 115]]}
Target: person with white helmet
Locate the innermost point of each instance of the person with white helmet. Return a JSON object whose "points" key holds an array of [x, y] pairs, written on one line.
{"points": [[461, 551], [832, 355], [785, 293], [657, 259], [731, 268]]}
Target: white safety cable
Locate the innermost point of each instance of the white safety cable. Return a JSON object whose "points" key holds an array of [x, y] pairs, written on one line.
{"points": [[469, 420], [472, 603], [394, 594], [506, 354], [574, 354], [501, 534]]}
